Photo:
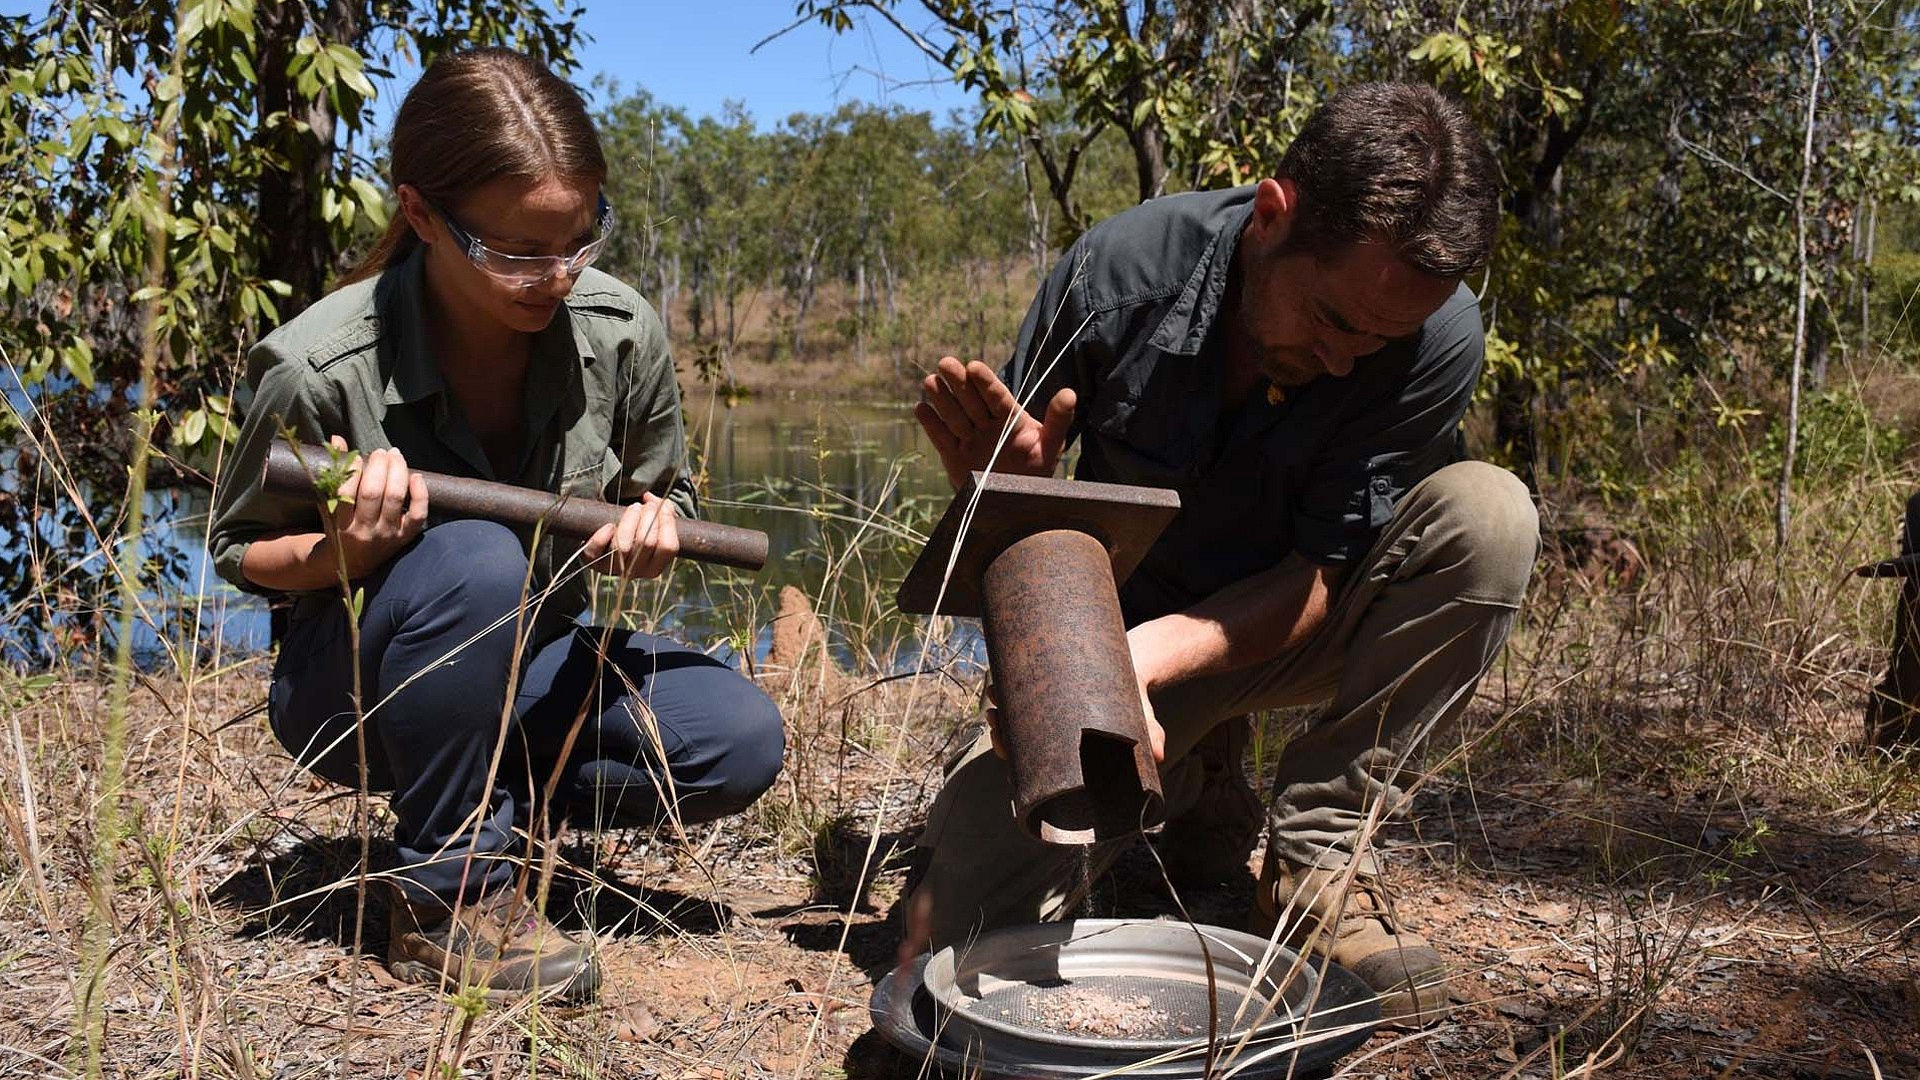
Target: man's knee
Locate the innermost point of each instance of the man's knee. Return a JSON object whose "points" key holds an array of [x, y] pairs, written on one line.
{"points": [[1489, 527]]}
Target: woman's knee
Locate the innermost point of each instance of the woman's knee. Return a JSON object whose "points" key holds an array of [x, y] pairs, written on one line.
{"points": [[722, 741], [757, 749], [482, 560]]}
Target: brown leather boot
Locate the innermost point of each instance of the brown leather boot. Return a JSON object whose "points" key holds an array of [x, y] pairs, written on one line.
{"points": [[1210, 841], [1357, 931], [498, 943]]}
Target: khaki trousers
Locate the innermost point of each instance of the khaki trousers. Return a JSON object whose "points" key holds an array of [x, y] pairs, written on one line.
{"points": [[1411, 632]]}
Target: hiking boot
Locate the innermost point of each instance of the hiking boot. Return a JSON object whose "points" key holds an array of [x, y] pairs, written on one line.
{"points": [[498, 943], [1356, 931], [1210, 841]]}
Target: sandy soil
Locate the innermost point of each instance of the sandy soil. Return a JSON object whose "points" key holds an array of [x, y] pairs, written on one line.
{"points": [[1669, 914]]}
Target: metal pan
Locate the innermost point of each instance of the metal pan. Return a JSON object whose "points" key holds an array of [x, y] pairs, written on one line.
{"points": [[1341, 1018], [1135, 985]]}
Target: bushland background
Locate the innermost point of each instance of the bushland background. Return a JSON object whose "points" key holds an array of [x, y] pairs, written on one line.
{"points": [[1656, 847]]}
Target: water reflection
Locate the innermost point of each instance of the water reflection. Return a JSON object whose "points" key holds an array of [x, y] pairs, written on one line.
{"points": [[844, 491]]}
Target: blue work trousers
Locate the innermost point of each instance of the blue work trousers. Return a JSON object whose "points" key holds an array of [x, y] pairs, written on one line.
{"points": [[658, 730]]}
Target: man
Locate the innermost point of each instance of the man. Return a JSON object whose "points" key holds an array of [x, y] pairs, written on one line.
{"points": [[1295, 359]]}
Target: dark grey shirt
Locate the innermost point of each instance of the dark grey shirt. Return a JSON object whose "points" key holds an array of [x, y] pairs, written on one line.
{"points": [[1127, 318]]}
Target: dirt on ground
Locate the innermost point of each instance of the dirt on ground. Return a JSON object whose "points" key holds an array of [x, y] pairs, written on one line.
{"points": [[1655, 905]]}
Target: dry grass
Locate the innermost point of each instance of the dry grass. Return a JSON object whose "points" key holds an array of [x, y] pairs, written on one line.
{"points": [[1653, 849]]}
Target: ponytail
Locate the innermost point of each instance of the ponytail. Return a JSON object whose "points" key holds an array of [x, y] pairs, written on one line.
{"points": [[475, 117], [392, 249]]}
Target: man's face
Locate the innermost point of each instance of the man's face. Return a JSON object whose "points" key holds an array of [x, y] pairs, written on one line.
{"points": [[1308, 316]]}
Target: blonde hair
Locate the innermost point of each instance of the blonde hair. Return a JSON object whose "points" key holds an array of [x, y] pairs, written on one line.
{"points": [[475, 117]]}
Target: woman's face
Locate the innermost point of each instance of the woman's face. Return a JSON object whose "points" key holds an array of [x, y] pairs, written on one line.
{"points": [[553, 217]]}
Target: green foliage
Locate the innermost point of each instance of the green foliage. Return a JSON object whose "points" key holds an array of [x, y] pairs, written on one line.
{"points": [[722, 217], [1188, 89], [1896, 300], [1651, 153], [109, 230]]}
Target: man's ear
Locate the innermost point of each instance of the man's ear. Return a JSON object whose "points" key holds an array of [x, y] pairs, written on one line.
{"points": [[414, 206], [1276, 202]]}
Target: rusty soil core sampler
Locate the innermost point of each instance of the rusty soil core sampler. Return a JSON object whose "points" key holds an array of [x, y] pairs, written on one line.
{"points": [[1040, 563]]}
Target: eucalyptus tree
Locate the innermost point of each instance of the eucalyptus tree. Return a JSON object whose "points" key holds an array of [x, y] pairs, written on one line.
{"points": [[1193, 87], [1652, 154]]}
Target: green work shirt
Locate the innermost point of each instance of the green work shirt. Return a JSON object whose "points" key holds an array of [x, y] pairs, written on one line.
{"points": [[1129, 319], [602, 414]]}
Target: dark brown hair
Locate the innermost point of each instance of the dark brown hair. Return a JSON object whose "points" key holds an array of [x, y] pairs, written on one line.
{"points": [[1396, 163], [473, 118]]}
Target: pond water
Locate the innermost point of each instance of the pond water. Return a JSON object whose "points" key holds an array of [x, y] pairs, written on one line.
{"points": [[845, 492]]}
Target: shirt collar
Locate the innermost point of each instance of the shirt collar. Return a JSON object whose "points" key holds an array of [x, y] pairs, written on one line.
{"points": [[400, 305], [1184, 329]]}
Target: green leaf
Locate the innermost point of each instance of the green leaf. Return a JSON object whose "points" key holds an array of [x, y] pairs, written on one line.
{"points": [[191, 428], [370, 200], [358, 82], [78, 360], [191, 24]]}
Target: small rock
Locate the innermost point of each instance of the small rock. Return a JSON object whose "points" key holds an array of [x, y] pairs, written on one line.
{"points": [[1551, 913]]}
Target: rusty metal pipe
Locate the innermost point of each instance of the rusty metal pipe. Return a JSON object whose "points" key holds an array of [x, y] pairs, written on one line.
{"points": [[1070, 715], [568, 516]]}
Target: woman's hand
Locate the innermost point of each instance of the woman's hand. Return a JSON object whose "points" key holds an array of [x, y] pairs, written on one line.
{"points": [[382, 508], [641, 544]]}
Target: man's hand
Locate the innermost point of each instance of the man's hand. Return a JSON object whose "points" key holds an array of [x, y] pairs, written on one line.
{"points": [[964, 408], [382, 508], [642, 544], [1146, 672]]}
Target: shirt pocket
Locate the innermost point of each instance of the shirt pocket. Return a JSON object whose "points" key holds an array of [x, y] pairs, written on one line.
{"points": [[1142, 429], [592, 478]]}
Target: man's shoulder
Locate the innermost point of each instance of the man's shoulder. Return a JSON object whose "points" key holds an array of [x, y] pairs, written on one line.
{"points": [[1150, 251], [1453, 335], [1459, 316]]}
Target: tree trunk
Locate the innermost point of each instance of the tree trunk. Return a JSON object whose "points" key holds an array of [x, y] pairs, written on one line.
{"points": [[1036, 225], [860, 313], [296, 246], [1149, 159], [731, 286], [1866, 282], [806, 296], [1782, 502]]}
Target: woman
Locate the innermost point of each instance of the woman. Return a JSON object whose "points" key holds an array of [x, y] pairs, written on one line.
{"points": [[475, 340]]}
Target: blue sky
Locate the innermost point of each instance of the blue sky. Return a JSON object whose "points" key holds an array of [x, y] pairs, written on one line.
{"points": [[697, 55]]}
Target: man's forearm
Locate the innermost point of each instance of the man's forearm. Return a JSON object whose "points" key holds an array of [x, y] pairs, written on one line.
{"points": [[1249, 622]]}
